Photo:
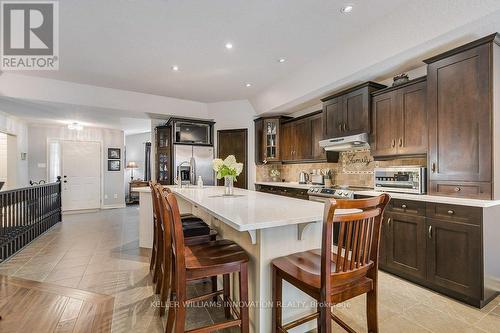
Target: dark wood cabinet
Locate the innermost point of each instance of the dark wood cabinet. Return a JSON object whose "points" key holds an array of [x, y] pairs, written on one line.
{"points": [[267, 139], [439, 246], [405, 248], [163, 163], [454, 256], [348, 112], [284, 191], [399, 119], [300, 138], [460, 101], [317, 152]]}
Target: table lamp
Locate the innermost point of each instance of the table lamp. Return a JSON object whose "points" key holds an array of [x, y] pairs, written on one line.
{"points": [[132, 165]]}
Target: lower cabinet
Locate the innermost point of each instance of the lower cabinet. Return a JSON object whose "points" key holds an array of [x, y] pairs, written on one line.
{"points": [[284, 191], [436, 245], [405, 246], [454, 256]]}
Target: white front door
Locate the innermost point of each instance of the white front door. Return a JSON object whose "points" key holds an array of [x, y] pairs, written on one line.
{"points": [[81, 175]]}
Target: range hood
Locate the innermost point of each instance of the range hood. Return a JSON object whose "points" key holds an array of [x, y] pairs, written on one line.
{"points": [[346, 143]]}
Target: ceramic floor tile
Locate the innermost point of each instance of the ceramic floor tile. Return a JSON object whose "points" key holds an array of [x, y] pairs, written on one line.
{"points": [[99, 252]]}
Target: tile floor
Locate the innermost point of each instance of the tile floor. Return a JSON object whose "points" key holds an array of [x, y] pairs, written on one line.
{"points": [[99, 252]]}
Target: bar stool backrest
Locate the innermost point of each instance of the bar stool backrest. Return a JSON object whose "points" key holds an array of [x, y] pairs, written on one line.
{"points": [[357, 241]]}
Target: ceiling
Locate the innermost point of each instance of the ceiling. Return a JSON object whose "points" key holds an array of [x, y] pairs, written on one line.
{"points": [[132, 44], [50, 113]]}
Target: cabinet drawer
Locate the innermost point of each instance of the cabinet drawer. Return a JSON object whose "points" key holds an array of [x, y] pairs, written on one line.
{"points": [[461, 189], [406, 207], [455, 213]]}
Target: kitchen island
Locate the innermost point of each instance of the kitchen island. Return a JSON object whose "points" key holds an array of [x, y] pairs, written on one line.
{"points": [[266, 226]]}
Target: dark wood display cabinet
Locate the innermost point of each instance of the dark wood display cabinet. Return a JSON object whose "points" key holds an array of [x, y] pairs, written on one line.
{"points": [[163, 154], [442, 247], [267, 139], [399, 120], [348, 112], [460, 105]]}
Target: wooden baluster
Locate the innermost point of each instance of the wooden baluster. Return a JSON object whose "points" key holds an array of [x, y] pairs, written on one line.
{"points": [[345, 264], [355, 247], [340, 244]]}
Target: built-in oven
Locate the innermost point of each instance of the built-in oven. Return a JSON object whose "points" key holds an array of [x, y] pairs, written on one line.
{"points": [[404, 179]]}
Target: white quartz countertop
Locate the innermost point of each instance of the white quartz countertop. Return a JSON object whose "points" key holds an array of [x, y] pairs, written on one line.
{"points": [[252, 210], [405, 196]]}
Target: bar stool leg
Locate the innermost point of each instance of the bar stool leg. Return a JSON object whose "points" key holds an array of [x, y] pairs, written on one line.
{"points": [[153, 252], [325, 317], [371, 310], [243, 277], [277, 289], [214, 286], [226, 295], [165, 285], [180, 315]]}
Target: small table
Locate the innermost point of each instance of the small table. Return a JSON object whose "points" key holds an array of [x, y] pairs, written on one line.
{"points": [[133, 194]]}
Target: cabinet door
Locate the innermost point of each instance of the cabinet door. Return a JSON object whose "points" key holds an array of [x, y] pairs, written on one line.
{"points": [[333, 118], [356, 112], [287, 142], [318, 153], [385, 119], [302, 140], [412, 124], [271, 139], [459, 106], [454, 256], [406, 244]]}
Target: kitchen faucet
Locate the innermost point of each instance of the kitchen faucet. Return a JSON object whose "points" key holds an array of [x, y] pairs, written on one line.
{"points": [[179, 180]]}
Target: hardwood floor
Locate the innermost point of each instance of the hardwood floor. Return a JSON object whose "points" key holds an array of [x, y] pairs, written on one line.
{"points": [[31, 306]]}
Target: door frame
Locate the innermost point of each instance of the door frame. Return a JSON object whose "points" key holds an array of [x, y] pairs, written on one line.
{"points": [[245, 130], [101, 169]]}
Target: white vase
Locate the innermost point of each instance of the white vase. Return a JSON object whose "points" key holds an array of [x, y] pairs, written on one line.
{"points": [[228, 185]]}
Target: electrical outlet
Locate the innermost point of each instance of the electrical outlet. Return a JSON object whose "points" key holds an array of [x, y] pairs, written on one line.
{"points": [[105, 196], [116, 195]]}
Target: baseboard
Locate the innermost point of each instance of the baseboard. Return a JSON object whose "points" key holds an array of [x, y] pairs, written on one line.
{"points": [[113, 206], [81, 211]]}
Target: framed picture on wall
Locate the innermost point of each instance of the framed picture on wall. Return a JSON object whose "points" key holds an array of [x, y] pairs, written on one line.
{"points": [[114, 153], [114, 165]]}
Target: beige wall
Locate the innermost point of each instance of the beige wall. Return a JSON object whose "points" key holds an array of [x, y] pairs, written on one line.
{"points": [[350, 170]]}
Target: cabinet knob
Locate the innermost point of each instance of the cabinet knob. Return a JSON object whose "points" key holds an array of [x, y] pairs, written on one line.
{"points": [[451, 212], [429, 232], [403, 206], [401, 142], [345, 127], [389, 221], [433, 167], [457, 189], [393, 144]]}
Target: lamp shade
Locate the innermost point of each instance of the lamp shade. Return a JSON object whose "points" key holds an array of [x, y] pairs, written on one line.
{"points": [[132, 165]]}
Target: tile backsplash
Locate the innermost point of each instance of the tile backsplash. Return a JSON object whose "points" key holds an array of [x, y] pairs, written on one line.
{"points": [[353, 168]]}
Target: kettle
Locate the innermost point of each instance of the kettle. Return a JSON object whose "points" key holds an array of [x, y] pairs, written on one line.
{"points": [[303, 177]]}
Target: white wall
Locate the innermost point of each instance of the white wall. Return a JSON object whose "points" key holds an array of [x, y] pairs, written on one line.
{"points": [[15, 126], [109, 138], [135, 150], [236, 115]]}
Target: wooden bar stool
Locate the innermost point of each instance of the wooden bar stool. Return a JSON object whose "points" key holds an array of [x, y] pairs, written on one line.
{"points": [[194, 262], [334, 277], [195, 230]]}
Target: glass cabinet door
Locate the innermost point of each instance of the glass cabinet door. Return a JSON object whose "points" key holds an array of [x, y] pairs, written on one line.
{"points": [[271, 138]]}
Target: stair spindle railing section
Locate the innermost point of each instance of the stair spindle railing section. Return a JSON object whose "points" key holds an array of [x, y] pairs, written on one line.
{"points": [[26, 213]]}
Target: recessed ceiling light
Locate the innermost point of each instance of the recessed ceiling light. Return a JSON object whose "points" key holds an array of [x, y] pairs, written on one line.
{"points": [[75, 126], [346, 9], [281, 60], [248, 85], [175, 68], [229, 46]]}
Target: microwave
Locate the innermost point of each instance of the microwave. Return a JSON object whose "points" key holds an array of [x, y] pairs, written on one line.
{"points": [[403, 179], [192, 133]]}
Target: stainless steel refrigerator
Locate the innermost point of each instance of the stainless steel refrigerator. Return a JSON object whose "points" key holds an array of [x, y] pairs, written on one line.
{"points": [[194, 161]]}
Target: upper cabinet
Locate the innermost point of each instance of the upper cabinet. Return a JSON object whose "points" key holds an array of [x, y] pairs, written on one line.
{"points": [[267, 139], [460, 96], [300, 138], [348, 112], [399, 120]]}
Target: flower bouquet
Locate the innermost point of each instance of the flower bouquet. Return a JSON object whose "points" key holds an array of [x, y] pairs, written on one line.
{"points": [[228, 169]]}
